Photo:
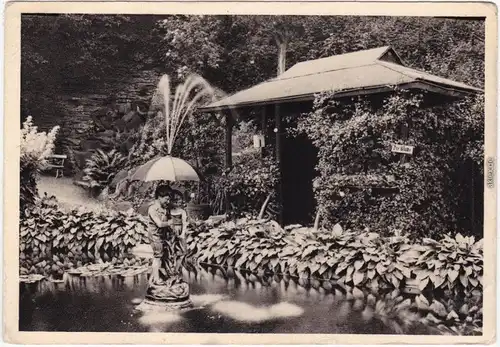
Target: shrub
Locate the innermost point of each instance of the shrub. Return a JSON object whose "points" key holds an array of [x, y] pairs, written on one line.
{"points": [[249, 182], [101, 168], [36, 147], [52, 240]]}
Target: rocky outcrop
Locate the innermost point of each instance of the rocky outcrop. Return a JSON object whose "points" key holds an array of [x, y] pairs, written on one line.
{"points": [[100, 118]]}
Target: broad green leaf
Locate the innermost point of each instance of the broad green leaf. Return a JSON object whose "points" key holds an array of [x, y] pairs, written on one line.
{"points": [[309, 250], [422, 274], [423, 283], [452, 275], [358, 277], [340, 268], [430, 317], [452, 315], [252, 265], [464, 309], [358, 264], [464, 280], [241, 260], [380, 269], [422, 302], [468, 270], [473, 282], [398, 274], [322, 269], [99, 243], [274, 261], [337, 230], [395, 282]]}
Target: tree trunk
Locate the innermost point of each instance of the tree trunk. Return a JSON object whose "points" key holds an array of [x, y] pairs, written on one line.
{"points": [[282, 46]]}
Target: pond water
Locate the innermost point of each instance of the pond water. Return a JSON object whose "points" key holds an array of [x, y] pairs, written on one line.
{"points": [[223, 304]]}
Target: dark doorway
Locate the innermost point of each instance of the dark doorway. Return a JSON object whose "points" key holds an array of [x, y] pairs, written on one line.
{"points": [[466, 190], [299, 158]]}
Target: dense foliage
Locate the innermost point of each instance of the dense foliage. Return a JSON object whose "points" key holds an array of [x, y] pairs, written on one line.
{"points": [[64, 53], [235, 52], [447, 272], [101, 168], [249, 182], [35, 149], [61, 53], [360, 177], [52, 240], [355, 258]]}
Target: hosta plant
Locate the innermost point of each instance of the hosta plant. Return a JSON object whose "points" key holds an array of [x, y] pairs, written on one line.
{"points": [[452, 264], [52, 240], [353, 259]]}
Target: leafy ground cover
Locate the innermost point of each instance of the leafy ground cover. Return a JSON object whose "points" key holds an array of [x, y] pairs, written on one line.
{"points": [[53, 240], [447, 274]]}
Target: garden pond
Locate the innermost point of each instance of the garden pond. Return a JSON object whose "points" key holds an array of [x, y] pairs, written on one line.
{"points": [[223, 303]]}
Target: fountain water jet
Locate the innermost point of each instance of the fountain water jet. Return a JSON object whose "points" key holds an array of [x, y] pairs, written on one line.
{"points": [[186, 98]]}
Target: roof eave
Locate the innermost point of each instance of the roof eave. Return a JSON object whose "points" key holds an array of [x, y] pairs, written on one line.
{"points": [[417, 84]]}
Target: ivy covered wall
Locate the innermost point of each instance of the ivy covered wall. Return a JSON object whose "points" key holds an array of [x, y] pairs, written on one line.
{"points": [[362, 183]]}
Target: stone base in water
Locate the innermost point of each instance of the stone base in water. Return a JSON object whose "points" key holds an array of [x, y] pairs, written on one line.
{"points": [[153, 305], [167, 297]]}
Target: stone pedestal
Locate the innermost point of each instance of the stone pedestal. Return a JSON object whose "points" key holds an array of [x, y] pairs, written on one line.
{"points": [[173, 295]]}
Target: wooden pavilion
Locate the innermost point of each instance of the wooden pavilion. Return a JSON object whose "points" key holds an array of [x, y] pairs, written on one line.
{"points": [[368, 72]]}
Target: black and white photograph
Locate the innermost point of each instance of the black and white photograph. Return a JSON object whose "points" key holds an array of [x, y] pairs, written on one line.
{"points": [[252, 174]]}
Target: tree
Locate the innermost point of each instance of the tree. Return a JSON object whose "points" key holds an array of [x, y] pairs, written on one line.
{"points": [[61, 54], [235, 52]]}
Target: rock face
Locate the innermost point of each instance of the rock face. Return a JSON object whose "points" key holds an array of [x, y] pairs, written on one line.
{"points": [[100, 118]]}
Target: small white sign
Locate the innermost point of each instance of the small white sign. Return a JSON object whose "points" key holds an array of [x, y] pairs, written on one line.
{"points": [[258, 141], [402, 149]]}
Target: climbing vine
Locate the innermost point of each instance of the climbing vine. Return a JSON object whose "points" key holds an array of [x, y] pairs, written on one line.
{"points": [[361, 182]]}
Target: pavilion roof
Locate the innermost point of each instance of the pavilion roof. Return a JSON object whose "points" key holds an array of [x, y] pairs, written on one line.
{"points": [[356, 73]]}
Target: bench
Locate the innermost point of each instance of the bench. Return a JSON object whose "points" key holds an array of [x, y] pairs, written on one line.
{"points": [[56, 161]]}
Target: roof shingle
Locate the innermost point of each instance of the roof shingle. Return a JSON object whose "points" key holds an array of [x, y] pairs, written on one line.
{"points": [[368, 69]]}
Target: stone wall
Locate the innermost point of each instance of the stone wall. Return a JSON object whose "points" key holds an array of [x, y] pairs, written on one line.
{"points": [[90, 119]]}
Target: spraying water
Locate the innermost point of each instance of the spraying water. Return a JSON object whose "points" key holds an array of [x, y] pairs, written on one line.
{"points": [[178, 107]]}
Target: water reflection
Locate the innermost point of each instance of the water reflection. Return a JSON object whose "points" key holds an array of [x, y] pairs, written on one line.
{"points": [[206, 299], [225, 301], [159, 318], [244, 312]]}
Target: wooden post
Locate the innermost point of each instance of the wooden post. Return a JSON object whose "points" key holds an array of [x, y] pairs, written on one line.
{"points": [[473, 197], [229, 141], [264, 130], [229, 153], [278, 131]]}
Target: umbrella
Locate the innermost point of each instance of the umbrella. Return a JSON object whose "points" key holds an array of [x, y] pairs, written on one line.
{"points": [[165, 168]]}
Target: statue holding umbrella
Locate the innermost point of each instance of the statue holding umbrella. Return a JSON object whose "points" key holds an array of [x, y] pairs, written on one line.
{"points": [[167, 289]]}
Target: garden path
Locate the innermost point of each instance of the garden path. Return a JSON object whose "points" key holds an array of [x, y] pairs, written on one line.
{"points": [[68, 195]]}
